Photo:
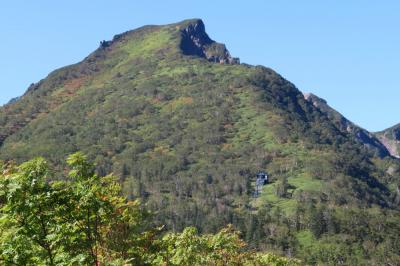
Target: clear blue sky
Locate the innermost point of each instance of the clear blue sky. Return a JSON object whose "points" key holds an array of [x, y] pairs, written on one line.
{"points": [[347, 52]]}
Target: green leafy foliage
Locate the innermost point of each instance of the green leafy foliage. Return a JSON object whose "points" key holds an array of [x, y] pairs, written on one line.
{"points": [[223, 248], [80, 221]]}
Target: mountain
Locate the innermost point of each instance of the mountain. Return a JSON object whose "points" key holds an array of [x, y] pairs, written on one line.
{"points": [[186, 127], [391, 139], [364, 137]]}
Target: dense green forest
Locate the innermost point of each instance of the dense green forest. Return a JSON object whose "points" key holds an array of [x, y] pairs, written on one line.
{"points": [[185, 129], [84, 220]]}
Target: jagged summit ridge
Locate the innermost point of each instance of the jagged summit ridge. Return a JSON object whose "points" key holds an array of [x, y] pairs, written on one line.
{"points": [[193, 41]]}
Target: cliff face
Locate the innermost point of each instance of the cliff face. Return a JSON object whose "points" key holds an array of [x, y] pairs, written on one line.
{"points": [[195, 41], [391, 139], [369, 140]]}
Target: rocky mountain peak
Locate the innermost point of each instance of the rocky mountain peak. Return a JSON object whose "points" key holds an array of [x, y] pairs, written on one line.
{"points": [[195, 41]]}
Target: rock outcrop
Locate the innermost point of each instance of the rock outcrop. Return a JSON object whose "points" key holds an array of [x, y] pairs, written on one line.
{"points": [[391, 139], [195, 41]]}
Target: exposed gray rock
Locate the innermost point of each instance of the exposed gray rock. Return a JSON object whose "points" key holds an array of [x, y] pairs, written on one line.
{"points": [[195, 41], [391, 139]]}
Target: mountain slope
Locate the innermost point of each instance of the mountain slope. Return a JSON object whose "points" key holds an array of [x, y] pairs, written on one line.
{"points": [[186, 127], [366, 138], [391, 138]]}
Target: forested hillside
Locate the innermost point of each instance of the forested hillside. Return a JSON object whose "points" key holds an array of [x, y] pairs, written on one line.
{"points": [[84, 220], [185, 128]]}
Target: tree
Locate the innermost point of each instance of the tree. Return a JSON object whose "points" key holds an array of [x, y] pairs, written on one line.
{"points": [[223, 248], [83, 220], [281, 187], [317, 223], [28, 215]]}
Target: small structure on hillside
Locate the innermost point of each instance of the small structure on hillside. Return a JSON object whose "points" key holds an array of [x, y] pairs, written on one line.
{"points": [[261, 180]]}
